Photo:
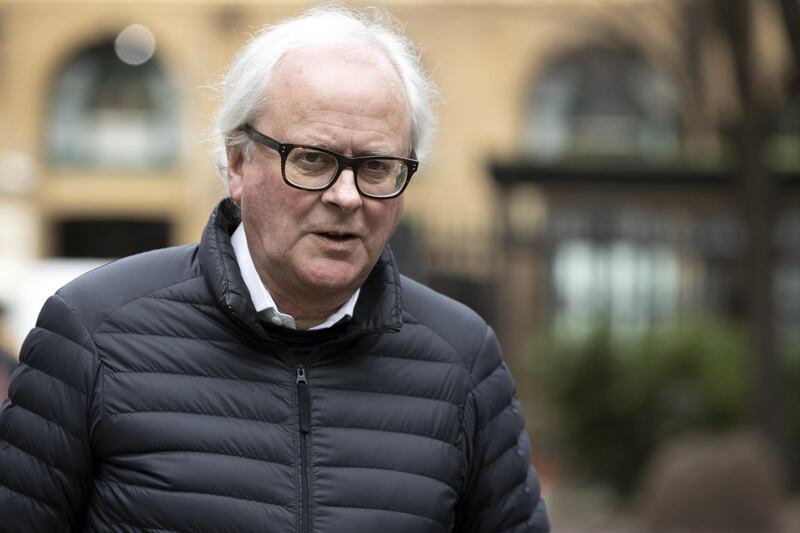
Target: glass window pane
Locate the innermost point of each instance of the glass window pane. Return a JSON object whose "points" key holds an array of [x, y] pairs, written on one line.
{"points": [[108, 113], [602, 102]]}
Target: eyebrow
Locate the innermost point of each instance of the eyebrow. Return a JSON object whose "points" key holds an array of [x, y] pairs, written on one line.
{"points": [[365, 153]]}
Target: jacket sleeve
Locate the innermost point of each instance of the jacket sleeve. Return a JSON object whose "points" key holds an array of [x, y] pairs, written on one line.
{"points": [[45, 458], [502, 493]]}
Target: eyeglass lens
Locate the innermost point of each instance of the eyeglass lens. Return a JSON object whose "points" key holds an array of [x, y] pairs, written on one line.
{"points": [[314, 169]]}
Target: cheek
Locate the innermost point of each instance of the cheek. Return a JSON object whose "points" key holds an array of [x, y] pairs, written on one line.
{"points": [[260, 195], [395, 212], [385, 218], [278, 209]]}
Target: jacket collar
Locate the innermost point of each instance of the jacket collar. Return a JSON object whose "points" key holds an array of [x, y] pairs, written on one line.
{"points": [[379, 306]]}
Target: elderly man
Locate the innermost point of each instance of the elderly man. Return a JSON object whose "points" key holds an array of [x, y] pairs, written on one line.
{"points": [[281, 375]]}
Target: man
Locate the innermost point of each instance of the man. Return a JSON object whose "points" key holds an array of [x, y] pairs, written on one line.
{"points": [[281, 375]]}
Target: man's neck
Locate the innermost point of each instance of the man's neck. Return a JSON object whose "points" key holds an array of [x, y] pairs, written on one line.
{"points": [[307, 312], [306, 307]]}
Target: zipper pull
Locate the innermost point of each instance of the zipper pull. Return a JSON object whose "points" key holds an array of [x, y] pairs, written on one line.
{"points": [[301, 374], [303, 400]]}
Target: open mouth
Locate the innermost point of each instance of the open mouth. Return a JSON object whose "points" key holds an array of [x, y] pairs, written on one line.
{"points": [[338, 237]]}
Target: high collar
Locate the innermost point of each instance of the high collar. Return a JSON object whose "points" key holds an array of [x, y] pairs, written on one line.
{"points": [[379, 306]]}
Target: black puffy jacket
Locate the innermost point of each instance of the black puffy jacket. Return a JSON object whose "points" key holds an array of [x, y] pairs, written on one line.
{"points": [[151, 398]]}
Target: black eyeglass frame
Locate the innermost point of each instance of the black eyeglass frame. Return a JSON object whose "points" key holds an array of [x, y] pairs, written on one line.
{"points": [[342, 162]]}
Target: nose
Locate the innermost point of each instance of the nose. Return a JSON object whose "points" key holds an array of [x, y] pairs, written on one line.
{"points": [[343, 194]]}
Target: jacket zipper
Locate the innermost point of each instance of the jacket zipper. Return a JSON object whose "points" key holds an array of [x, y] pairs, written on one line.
{"points": [[304, 414]]}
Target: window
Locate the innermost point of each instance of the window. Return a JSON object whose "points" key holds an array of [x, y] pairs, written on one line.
{"points": [[109, 238], [640, 269], [631, 285], [109, 110], [603, 102]]}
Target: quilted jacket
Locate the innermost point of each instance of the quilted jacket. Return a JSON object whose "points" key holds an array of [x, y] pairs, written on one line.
{"points": [[151, 398]]}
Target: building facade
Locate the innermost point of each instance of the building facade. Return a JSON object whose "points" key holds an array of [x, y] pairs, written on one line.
{"points": [[106, 110]]}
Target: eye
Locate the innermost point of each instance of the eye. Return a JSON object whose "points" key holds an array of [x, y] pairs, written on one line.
{"points": [[310, 160], [376, 166], [310, 157]]}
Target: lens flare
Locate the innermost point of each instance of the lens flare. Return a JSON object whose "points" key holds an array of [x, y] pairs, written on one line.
{"points": [[135, 44]]}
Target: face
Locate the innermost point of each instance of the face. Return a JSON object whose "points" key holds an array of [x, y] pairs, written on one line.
{"points": [[322, 244]]}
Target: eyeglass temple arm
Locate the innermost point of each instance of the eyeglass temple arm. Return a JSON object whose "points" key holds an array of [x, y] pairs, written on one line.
{"points": [[260, 137]]}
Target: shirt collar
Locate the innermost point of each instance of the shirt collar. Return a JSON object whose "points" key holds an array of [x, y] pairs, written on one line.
{"points": [[262, 300]]}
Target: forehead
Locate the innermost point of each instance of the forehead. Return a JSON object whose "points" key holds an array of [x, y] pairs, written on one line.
{"points": [[338, 87]]}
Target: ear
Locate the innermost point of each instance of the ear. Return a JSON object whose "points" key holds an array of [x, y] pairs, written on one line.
{"points": [[235, 178]]}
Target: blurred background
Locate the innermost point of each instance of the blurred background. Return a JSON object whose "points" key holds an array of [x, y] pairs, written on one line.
{"points": [[615, 187]]}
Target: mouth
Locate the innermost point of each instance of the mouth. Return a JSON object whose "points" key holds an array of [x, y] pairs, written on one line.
{"points": [[336, 236]]}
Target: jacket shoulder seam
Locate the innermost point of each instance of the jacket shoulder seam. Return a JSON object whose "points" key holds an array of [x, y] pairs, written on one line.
{"points": [[468, 367], [102, 322], [463, 404], [80, 321], [477, 353], [459, 357], [98, 360]]}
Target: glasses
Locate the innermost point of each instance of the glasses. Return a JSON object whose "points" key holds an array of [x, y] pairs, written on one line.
{"points": [[311, 168]]}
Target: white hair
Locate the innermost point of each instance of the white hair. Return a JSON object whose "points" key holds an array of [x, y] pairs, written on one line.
{"points": [[248, 78]]}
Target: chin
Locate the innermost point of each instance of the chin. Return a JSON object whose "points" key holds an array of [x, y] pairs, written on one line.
{"points": [[333, 276]]}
